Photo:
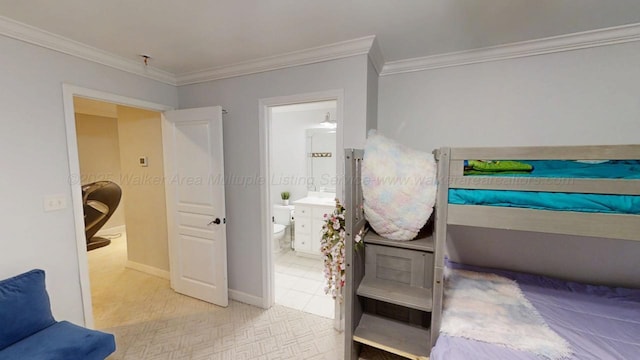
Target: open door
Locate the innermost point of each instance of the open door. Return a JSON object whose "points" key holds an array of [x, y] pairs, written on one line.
{"points": [[195, 203]]}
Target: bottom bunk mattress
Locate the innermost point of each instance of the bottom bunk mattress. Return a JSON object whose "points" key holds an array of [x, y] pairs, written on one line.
{"points": [[596, 322]]}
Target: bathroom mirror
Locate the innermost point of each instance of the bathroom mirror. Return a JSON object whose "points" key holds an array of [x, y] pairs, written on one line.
{"points": [[321, 159]]}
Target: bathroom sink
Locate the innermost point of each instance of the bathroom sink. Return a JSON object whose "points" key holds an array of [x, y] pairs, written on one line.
{"points": [[323, 201], [312, 200]]}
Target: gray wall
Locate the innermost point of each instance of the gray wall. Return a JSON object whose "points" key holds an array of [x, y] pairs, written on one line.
{"points": [[240, 96], [586, 97], [33, 154]]}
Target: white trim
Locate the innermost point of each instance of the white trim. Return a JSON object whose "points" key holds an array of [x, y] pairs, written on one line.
{"points": [[268, 274], [36, 36], [303, 57], [168, 137], [120, 229], [112, 98], [365, 45], [148, 269], [68, 92], [581, 40], [45, 39], [246, 298], [375, 55]]}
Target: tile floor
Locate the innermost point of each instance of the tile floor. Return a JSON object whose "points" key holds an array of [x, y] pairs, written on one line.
{"points": [[299, 284]]}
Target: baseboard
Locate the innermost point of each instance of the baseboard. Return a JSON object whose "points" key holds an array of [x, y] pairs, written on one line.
{"points": [[120, 229], [148, 269], [245, 298]]}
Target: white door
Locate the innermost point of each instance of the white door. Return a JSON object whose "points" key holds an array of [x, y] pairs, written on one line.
{"points": [[195, 203]]}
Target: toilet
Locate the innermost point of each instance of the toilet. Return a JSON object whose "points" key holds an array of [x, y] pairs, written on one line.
{"points": [[282, 217]]}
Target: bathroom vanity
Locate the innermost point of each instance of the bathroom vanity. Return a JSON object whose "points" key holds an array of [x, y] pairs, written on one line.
{"points": [[309, 218]]}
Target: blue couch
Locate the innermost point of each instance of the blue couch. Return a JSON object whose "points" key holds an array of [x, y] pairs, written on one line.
{"points": [[28, 330]]}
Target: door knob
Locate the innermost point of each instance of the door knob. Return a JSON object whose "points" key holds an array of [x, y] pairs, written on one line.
{"points": [[216, 221]]}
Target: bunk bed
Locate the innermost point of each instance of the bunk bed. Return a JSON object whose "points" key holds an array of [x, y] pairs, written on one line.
{"points": [[567, 307], [452, 181]]}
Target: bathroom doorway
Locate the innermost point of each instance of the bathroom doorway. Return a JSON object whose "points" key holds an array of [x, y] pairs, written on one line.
{"points": [[302, 147]]}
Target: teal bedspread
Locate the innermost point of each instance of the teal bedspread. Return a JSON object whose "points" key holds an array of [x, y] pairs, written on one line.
{"points": [[615, 169], [625, 204]]}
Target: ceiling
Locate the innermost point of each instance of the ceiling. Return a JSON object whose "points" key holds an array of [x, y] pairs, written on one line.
{"points": [[189, 36]]}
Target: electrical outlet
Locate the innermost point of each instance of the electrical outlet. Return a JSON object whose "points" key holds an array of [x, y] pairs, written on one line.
{"points": [[54, 202]]}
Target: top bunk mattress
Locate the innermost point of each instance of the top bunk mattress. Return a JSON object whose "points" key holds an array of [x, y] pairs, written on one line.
{"points": [[598, 322], [596, 203]]}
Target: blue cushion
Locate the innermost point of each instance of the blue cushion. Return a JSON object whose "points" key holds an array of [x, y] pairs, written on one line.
{"points": [[62, 341], [24, 307]]}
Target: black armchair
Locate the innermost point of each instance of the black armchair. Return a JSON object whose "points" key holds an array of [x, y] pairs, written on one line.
{"points": [[100, 200]]}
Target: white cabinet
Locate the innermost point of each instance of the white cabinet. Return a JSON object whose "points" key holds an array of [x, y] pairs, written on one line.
{"points": [[309, 218]]}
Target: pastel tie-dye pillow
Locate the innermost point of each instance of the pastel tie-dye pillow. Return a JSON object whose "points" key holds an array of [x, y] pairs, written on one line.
{"points": [[398, 186]]}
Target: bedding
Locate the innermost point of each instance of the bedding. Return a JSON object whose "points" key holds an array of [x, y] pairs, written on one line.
{"points": [[598, 322], [597, 203], [612, 169], [492, 309], [398, 187], [481, 167]]}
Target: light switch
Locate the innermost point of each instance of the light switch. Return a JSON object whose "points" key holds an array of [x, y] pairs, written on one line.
{"points": [[143, 161], [54, 202]]}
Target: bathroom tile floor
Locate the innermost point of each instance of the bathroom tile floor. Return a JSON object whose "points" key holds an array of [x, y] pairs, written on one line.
{"points": [[299, 284]]}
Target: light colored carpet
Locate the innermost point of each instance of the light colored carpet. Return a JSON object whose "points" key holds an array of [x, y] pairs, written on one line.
{"points": [[151, 321]]}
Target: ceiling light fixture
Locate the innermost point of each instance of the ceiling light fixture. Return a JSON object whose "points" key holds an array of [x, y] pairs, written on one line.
{"points": [[328, 122]]}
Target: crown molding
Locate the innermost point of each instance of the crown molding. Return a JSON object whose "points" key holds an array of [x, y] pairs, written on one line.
{"points": [[569, 42], [39, 37], [365, 45], [303, 57], [375, 55]]}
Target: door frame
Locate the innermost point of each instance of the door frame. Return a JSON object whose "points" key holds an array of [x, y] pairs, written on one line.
{"points": [[68, 92], [268, 273]]}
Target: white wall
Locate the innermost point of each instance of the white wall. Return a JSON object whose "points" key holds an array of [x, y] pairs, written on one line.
{"points": [[288, 151], [240, 96], [585, 96], [588, 96], [33, 154]]}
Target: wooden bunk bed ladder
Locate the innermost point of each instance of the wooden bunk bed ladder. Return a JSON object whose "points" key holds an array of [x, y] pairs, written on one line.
{"points": [[393, 294]]}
